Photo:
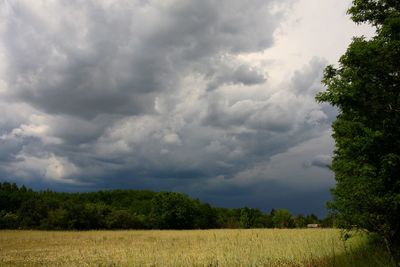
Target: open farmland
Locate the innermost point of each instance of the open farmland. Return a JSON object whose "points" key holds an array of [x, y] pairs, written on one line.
{"points": [[261, 247]]}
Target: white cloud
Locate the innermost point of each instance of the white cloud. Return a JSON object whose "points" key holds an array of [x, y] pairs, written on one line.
{"points": [[313, 28], [49, 167], [36, 128]]}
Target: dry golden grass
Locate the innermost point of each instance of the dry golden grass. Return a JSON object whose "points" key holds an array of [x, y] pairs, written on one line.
{"points": [[230, 248]]}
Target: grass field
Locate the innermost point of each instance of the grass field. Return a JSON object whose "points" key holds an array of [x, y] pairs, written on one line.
{"points": [[230, 248]]}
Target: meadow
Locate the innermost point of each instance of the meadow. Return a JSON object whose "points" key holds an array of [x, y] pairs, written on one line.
{"points": [[253, 247]]}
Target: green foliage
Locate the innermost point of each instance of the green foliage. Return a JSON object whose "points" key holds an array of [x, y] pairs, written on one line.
{"points": [[8, 220], [283, 219], [123, 219], [366, 89], [250, 218], [300, 221], [173, 211], [207, 216], [22, 208], [374, 11]]}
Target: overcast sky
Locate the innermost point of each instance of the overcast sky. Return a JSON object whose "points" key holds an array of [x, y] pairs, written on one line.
{"points": [[213, 98]]}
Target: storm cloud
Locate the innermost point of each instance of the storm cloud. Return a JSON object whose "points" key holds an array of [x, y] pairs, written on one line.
{"points": [[98, 57], [163, 95]]}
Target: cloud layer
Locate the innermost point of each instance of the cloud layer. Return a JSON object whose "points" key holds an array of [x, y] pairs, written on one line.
{"points": [[160, 95]]}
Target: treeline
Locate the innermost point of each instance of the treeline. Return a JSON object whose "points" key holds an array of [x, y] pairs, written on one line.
{"points": [[23, 208]]}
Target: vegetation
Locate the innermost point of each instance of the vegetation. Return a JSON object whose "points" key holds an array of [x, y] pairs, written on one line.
{"points": [[22, 208], [222, 248], [366, 90]]}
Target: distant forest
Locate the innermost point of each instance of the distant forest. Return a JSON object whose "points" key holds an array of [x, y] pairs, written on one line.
{"points": [[23, 208]]}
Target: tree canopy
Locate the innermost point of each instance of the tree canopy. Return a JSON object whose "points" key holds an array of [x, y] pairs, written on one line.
{"points": [[22, 208], [366, 90]]}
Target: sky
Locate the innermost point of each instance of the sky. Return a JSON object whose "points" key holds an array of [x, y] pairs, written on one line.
{"points": [[211, 98]]}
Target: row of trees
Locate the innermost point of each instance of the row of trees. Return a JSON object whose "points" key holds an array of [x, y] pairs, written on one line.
{"points": [[22, 208]]}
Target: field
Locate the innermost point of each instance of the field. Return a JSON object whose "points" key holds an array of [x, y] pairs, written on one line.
{"points": [[230, 248]]}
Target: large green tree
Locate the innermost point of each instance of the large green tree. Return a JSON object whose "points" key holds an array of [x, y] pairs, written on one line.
{"points": [[365, 88]]}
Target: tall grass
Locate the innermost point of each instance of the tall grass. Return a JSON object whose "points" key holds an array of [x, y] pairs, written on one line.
{"points": [[264, 247]]}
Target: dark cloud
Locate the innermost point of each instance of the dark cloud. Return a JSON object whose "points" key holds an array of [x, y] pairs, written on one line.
{"points": [[321, 161], [304, 82], [241, 74], [156, 95], [274, 196], [95, 58]]}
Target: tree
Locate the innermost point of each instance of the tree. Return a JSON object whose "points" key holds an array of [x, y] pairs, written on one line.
{"points": [[300, 221], [206, 216], [173, 211], [312, 219], [249, 218], [123, 219], [366, 90], [282, 219]]}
